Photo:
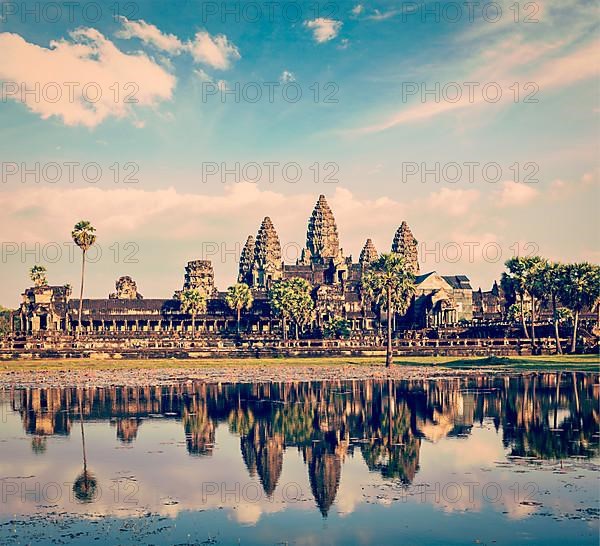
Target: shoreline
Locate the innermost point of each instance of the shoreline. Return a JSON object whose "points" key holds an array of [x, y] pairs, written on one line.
{"points": [[130, 373]]}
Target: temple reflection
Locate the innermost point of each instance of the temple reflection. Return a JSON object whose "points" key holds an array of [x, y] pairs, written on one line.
{"points": [[543, 415]]}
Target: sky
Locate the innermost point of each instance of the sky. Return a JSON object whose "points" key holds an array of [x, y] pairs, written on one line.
{"points": [[175, 127]]}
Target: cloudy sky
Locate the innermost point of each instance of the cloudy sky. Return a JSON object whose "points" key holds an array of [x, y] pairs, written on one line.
{"points": [[175, 127]]}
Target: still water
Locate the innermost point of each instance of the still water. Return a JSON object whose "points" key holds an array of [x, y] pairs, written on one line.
{"points": [[478, 460]]}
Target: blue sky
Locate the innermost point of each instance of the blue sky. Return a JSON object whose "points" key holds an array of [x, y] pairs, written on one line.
{"points": [[363, 55]]}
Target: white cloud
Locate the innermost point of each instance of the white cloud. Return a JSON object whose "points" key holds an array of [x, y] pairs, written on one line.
{"points": [[215, 51], [287, 77], [324, 29], [150, 34], [358, 9], [514, 194], [95, 64], [456, 202], [552, 64]]}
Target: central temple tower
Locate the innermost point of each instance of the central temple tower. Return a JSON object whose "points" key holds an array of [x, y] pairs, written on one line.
{"points": [[322, 239]]}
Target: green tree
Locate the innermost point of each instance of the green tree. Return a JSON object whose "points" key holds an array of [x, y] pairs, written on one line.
{"points": [[280, 300], [37, 274], [84, 237], [239, 297], [389, 283], [535, 285], [513, 283], [303, 306], [336, 328], [291, 300], [553, 279], [5, 318], [193, 302], [580, 289]]}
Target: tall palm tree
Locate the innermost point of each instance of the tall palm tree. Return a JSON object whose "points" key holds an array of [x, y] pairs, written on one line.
{"points": [[84, 237], [193, 302], [580, 289], [553, 279], [239, 297], [37, 274], [535, 277], [390, 283], [292, 300], [85, 485], [514, 281], [280, 298]]}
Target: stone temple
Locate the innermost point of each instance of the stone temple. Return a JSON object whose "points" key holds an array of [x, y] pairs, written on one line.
{"points": [[336, 280]]}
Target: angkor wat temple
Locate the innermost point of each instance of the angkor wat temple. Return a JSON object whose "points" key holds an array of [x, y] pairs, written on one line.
{"points": [[336, 280]]}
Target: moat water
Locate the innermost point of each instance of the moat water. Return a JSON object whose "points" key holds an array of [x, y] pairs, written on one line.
{"points": [[479, 460]]}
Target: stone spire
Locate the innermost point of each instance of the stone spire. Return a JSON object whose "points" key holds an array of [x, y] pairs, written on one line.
{"points": [[405, 244], [267, 255], [322, 240], [199, 275], [247, 260], [368, 254], [126, 289]]}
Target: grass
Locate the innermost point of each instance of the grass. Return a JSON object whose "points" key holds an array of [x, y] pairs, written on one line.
{"points": [[556, 362]]}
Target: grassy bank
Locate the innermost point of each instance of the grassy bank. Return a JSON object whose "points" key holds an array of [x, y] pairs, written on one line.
{"points": [[542, 363]]}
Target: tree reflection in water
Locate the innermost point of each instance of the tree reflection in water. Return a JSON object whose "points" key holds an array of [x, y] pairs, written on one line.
{"points": [[543, 415]]}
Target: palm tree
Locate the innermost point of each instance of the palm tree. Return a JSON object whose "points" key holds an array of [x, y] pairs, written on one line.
{"points": [[193, 302], [513, 281], [239, 297], [553, 279], [84, 237], [38, 275], [85, 485], [580, 289], [535, 277], [280, 297], [291, 299], [302, 305], [389, 282]]}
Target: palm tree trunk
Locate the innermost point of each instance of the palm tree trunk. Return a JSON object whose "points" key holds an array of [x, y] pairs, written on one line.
{"points": [[193, 325], [82, 437], [284, 326], [533, 348], [523, 317], [239, 316], [389, 352], [81, 292], [574, 340], [555, 320], [297, 333]]}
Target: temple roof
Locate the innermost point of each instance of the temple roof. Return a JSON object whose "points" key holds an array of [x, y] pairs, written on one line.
{"points": [[322, 240]]}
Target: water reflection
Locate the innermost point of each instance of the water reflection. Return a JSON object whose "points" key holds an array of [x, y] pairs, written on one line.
{"points": [[546, 416]]}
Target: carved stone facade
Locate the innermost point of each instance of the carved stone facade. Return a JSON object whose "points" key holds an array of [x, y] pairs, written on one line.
{"points": [[368, 255], [247, 261], [45, 308], [199, 275], [267, 265], [322, 239], [126, 289], [336, 289], [405, 244]]}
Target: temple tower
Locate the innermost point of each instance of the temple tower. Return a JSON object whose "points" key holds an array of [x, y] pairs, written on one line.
{"points": [[368, 254], [126, 289], [405, 244], [322, 239], [267, 256], [246, 261], [199, 275]]}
